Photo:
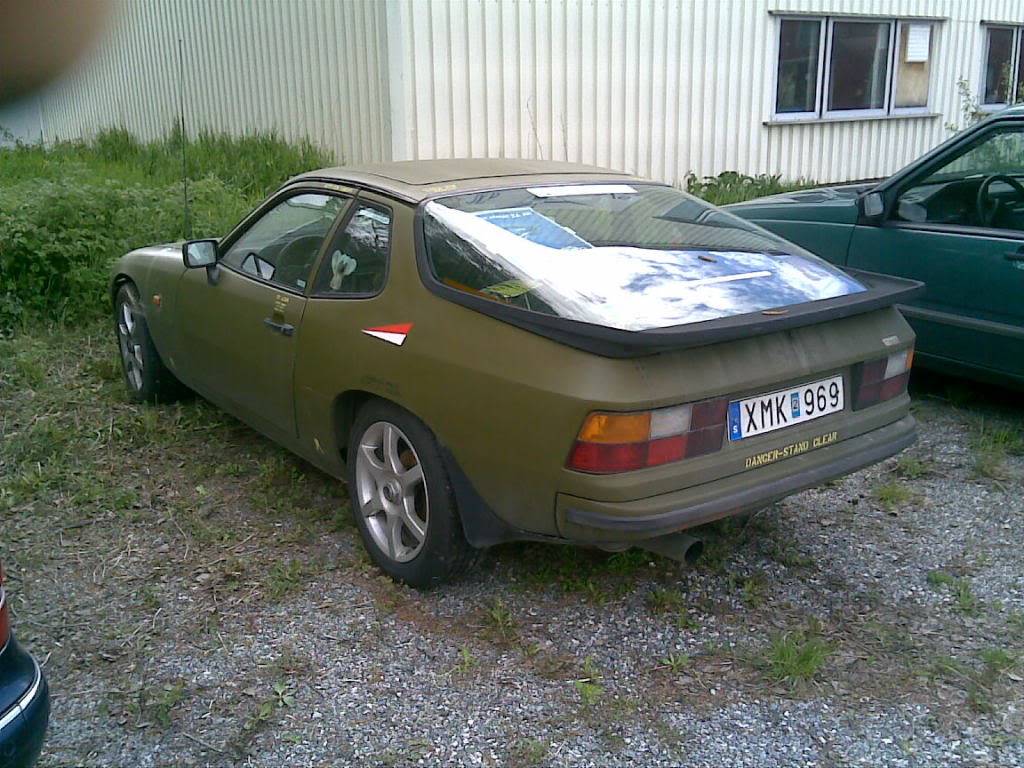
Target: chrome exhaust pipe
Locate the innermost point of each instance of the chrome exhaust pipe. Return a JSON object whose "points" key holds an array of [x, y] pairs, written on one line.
{"points": [[681, 547]]}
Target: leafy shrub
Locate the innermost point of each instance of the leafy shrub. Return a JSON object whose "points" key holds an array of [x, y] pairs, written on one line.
{"points": [[68, 211], [733, 187], [58, 240]]}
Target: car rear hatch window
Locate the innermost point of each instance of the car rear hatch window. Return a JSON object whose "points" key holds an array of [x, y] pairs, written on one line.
{"points": [[631, 257]]}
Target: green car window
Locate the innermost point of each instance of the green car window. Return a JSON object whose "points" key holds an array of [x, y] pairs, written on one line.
{"points": [[356, 263], [626, 256], [282, 245], [981, 186]]}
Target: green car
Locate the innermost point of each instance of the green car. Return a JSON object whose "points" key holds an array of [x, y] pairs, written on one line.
{"points": [[500, 350], [953, 219]]}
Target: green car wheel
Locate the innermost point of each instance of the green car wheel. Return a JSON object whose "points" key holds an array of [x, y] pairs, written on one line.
{"points": [[402, 498]]}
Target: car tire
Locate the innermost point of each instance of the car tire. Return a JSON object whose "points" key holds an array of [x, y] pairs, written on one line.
{"points": [[145, 375], [408, 517]]}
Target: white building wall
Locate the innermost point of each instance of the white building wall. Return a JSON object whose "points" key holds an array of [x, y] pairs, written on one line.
{"points": [[656, 87], [308, 68]]}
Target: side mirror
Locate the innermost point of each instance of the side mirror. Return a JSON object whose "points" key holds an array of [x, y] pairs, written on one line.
{"points": [[873, 206], [199, 253]]}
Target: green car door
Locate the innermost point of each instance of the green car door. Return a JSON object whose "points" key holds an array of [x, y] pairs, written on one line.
{"points": [[239, 323], [957, 224]]}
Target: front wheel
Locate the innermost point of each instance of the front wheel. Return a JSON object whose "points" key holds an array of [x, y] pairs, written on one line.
{"points": [[145, 374], [402, 499]]}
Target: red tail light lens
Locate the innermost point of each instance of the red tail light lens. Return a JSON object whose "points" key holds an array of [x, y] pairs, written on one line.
{"points": [[879, 380], [5, 614], [621, 442]]}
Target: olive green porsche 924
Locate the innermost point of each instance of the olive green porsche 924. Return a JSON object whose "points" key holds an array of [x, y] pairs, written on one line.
{"points": [[498, 350]]}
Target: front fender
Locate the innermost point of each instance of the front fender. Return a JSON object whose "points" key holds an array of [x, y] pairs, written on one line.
{"points": [[156, 272]]}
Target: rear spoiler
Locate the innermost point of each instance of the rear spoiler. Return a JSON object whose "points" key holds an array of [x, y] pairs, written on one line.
{"points": [[880, 291]]}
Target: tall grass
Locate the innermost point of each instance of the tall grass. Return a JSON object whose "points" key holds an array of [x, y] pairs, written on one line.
{"points": [[733, 187], [68, 210], [252, 165]]}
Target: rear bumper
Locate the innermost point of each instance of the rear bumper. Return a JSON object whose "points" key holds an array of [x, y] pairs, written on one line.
{"points": [[595, 521], [23, 718]]}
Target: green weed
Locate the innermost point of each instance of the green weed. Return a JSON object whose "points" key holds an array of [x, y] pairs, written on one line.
{"points": [[500, 623], [589, 685], [661, 600], [528, 752], [676, 662], [892, 494], [795, 657], [912, 468]]}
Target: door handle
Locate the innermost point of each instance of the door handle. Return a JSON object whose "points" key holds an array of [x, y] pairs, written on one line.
{"points": [[285, 329]]}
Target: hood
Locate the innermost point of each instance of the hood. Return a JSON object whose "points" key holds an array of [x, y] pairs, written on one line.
{"points": [[835, 204]]}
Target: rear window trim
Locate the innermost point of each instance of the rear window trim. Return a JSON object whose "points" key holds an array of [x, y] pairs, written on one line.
{"points": [[880, 291]]}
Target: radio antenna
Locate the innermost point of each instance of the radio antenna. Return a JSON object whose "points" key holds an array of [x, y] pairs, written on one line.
{"points": [[184, 137]]}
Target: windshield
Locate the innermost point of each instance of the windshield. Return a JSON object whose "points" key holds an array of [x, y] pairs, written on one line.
{"points": [[631, 257]]}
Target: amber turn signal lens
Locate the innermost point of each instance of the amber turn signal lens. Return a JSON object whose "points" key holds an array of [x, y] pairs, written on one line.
{"points": [[616, 428]]}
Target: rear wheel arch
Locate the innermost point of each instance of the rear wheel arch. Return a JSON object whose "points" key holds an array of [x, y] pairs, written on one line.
{"points": [[481, 526], [346, 408], [343, 415]]}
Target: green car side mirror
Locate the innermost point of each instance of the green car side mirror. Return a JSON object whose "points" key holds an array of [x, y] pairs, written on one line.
{"points": [[873, 206]]}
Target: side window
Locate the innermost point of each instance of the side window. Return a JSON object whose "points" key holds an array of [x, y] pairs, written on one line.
{"points": [[282, 245], [356, 263], [981, 186]]}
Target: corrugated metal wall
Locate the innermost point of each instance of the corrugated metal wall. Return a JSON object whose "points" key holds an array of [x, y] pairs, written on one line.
{"points": [[656, 87], [315, 68]]}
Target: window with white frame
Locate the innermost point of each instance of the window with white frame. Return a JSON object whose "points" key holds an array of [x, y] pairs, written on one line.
{"points": [[832, 67], [1002, 71]]}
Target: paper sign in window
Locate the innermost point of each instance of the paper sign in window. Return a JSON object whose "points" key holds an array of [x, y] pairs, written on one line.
{"points": [[918, 42]]}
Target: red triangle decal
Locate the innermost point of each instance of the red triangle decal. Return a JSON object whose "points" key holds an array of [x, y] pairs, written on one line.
{"points": [[396, 328]]}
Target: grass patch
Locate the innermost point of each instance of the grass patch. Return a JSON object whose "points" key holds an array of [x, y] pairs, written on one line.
{"points": [[795, 657], [661, 600], [528, 752], [754, 591], [892, 494], [589, 685], [499, 624], [991, 444], [676, 662], [941, 579], [964, 598], [912, 468]]}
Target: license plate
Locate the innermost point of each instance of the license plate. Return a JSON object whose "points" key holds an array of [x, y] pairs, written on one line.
{"points": [[778, 410]]}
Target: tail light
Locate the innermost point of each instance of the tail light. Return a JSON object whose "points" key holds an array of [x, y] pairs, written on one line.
{"points": [[620, 442], [5, 614], [878, 380]]}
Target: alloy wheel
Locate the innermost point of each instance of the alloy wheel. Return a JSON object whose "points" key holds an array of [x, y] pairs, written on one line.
{"points": [[391, 491], [131, 350]]}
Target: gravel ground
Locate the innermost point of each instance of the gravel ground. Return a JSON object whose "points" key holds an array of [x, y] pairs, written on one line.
{"points": [[199, 600]]}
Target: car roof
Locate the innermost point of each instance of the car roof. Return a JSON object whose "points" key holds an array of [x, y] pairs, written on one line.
{"points": [[416, 180], [1014, 111]]}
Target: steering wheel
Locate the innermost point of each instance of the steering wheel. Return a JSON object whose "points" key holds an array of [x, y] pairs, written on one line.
{"points": [[295, 259], [987, 209]]}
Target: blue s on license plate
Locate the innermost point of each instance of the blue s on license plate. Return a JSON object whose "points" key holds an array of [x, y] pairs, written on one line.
{"points": [[784, 408]]}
